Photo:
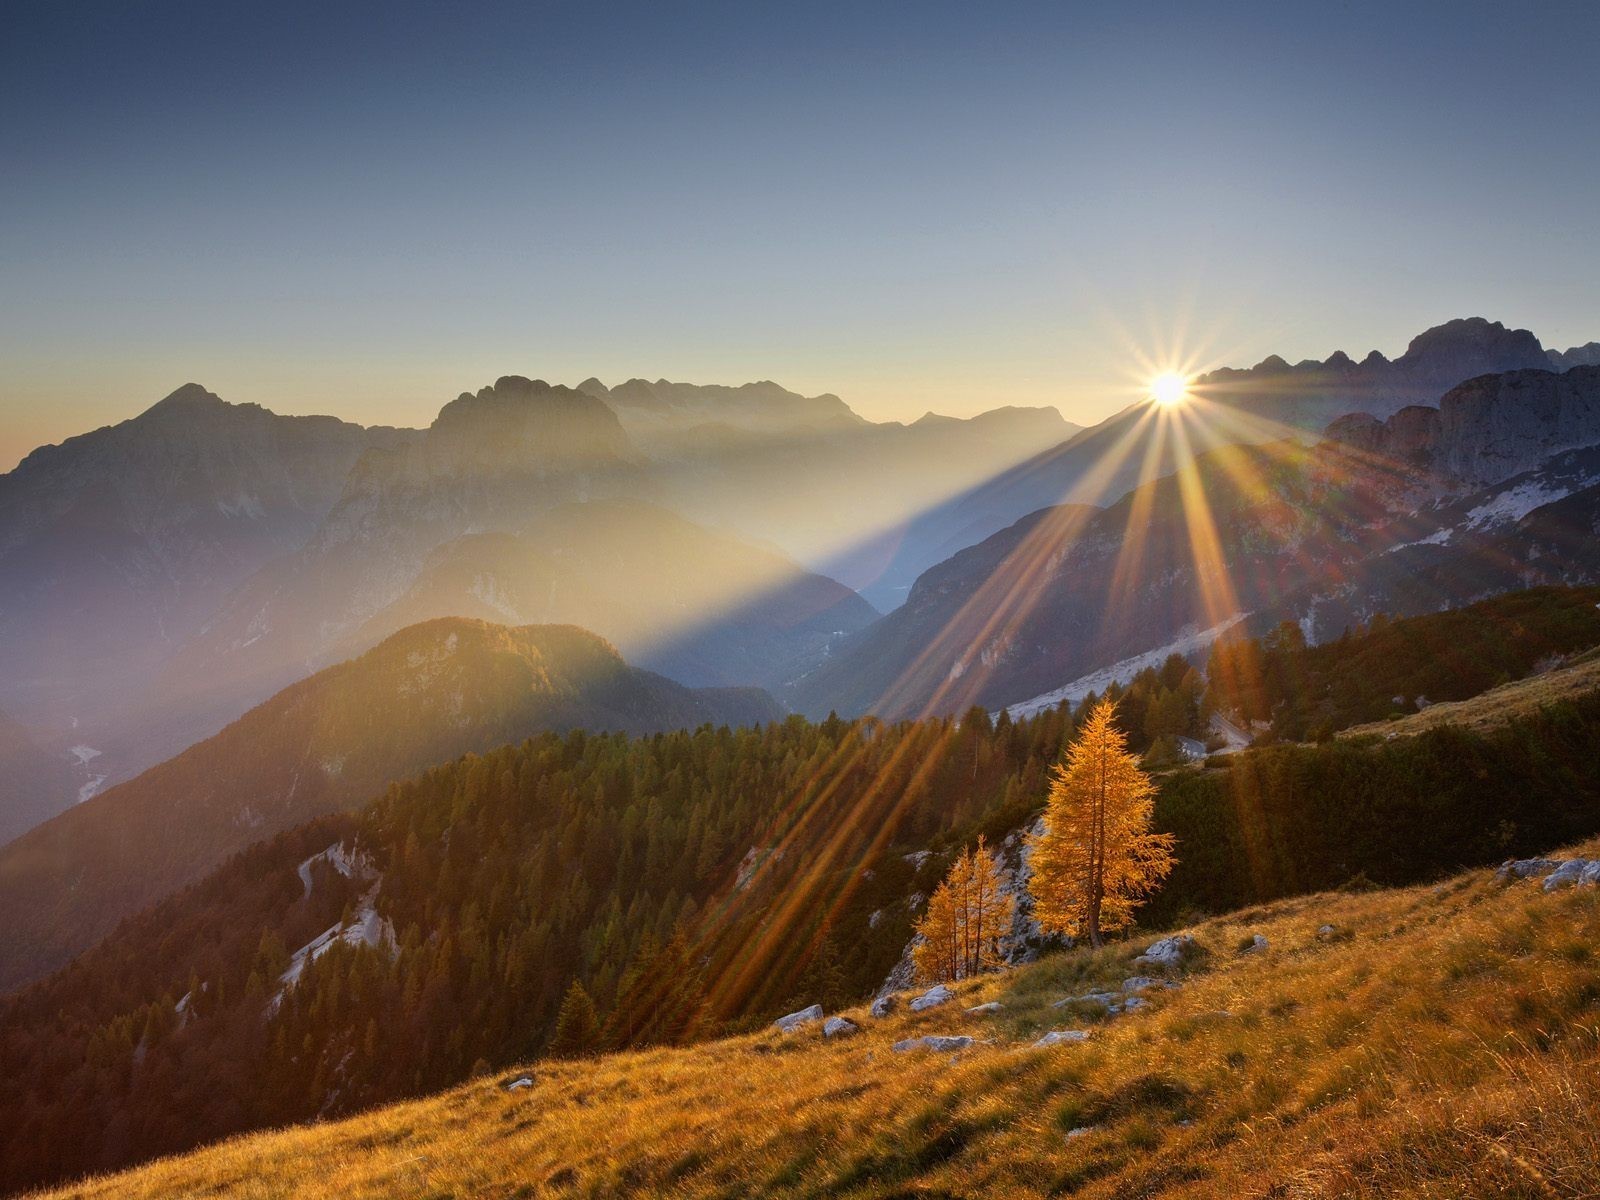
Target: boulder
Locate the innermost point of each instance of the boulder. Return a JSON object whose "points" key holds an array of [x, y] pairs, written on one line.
{"points": [[1522, 868], [1591, 875], [1062, 1037], [1079, 1132], [933, 1042], [932, 998], [797, 1019], [883, 1006], [1566, 875], [838, 1027], [1138, 983], [1134, 1002], [1169, 951], [517, 1084], [983, 1010], [1256, 945]]}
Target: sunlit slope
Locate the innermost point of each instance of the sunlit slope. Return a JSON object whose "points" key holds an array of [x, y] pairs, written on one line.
{"points": [[1430, 1041], [1498, 706]]}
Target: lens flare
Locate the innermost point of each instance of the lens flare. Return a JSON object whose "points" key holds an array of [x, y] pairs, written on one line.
{"points": [[1169, 388]]}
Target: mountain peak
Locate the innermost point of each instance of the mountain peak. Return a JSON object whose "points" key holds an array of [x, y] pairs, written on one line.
{"points": [[188, 398], [1474, 339]]}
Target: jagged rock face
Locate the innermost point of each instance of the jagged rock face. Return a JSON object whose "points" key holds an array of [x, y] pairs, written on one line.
{"points": [[1499, 425], [1487, 429]]}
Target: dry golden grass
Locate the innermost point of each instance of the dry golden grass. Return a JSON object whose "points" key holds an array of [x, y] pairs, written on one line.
{"points": [[1445, 1041], [1491, 709]]}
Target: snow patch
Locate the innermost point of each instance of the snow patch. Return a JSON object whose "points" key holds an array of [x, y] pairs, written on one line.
{"points": [[1438, 538], [366, 928], [1188, 641], [351, 863], [1515, 503]]}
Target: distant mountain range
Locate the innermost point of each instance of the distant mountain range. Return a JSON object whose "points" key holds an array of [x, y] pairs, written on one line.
{"points": [[159, 577], [1495, 488], [424, 696]]}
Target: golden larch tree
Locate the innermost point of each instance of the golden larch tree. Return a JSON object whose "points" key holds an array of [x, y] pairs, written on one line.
{"points": [[967, 915], [1097, 859]]}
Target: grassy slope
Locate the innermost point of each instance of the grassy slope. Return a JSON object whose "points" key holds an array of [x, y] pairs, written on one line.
{"points": [[1497, 706], [1445, 1043]]}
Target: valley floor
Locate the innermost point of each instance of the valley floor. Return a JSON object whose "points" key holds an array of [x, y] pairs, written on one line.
{"points": [[1432, 1041]]}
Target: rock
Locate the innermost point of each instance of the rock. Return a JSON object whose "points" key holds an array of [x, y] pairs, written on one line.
{"points": [[1566, 875], [1591, 875], [932, 998], [1138, 983], [1079, 1132], [937, 1042], [839, 1027], [917, 858], [796, 1019], [1169, 951], [1062, 1037], [1324, 932], [1134, 1002], [1522, 868], [1256, 945], [883, 1006], [517, 1084], [875, 919], [983, 1010]]}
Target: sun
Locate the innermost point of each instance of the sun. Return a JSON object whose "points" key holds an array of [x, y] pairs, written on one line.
{"points": [[1169, 388]]}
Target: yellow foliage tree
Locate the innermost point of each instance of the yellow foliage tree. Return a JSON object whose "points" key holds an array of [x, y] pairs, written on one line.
{"points": [[966, 917], [1097, 859]]}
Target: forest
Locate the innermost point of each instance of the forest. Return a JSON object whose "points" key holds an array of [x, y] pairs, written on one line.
{"points": [[574, 892]]}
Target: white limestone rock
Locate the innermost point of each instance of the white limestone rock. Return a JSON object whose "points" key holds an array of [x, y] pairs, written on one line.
{"points": [[797, 1020]]}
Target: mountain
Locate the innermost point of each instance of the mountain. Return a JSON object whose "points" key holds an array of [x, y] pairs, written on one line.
{"points": [[425, 695], [1587, 355], [1264, 403], [662, 410], [694, 885], [701, 607], [1429, 509], [118, 544], [494, 460]]}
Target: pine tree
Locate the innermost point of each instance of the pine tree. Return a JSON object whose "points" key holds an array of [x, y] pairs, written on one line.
{"points": [[577, 1025], [966, 916], [1097, 859]]}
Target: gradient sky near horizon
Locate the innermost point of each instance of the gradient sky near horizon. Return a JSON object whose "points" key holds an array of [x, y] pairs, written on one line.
{"points": [[365, 209]]}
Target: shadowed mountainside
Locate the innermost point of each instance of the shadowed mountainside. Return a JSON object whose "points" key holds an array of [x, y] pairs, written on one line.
{"points": [[425, 695]]}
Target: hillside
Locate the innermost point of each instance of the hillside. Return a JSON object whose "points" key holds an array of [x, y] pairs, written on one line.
{"points": [[1495, 707], [426, 695], [1392, 667], [1431, 1041], [692, 884]]}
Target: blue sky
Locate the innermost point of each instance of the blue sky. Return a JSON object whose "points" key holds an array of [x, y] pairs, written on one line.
{"points": [[367, 208]]}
